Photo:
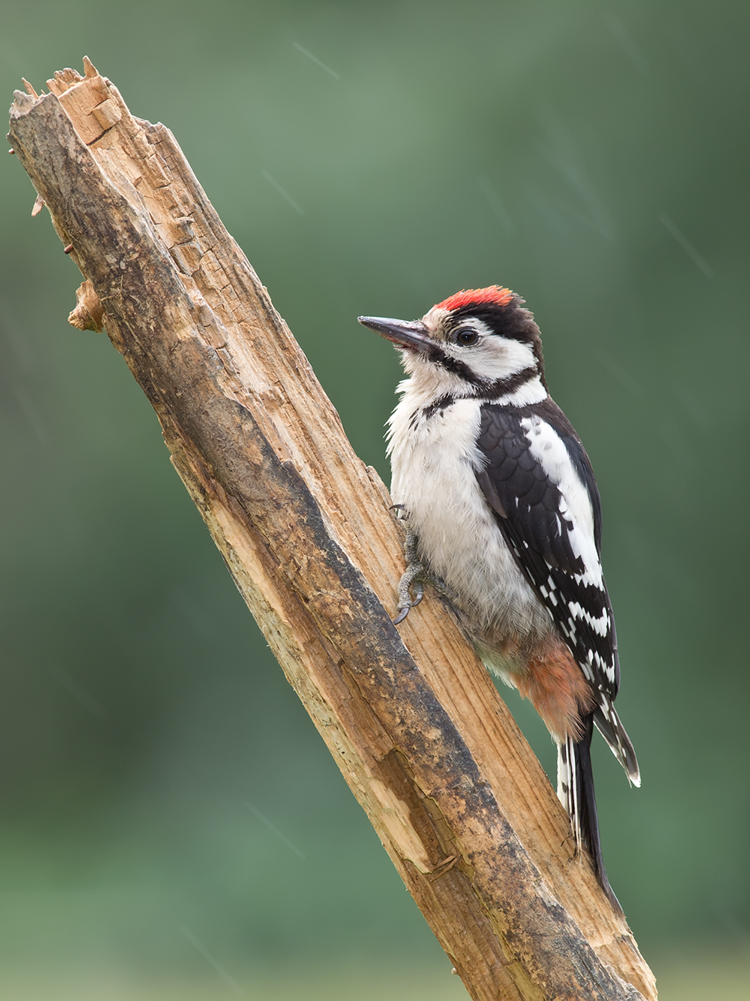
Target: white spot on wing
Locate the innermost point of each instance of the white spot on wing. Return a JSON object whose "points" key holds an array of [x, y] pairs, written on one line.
{"points": [[600, 625]]}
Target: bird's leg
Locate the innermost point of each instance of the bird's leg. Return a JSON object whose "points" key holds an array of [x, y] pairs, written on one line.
{"points": [[414, 578]]}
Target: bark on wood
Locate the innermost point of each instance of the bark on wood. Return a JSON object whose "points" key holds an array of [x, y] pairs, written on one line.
{"points": [[410, 716]]}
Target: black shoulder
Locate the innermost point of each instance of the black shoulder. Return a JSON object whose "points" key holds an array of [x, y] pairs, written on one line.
{"points": [[518, 488]]}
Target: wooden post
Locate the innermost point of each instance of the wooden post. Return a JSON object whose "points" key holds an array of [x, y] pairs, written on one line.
{"points": [[410, 716]]}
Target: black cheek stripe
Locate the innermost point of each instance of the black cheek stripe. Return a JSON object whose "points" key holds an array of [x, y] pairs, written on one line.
{"points": [[484, 390]]}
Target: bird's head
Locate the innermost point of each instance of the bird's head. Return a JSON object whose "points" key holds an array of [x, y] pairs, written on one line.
{"points": [[479, 342]]}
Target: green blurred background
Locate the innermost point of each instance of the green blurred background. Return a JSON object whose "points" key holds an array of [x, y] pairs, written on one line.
{"points": [[171, 825]]}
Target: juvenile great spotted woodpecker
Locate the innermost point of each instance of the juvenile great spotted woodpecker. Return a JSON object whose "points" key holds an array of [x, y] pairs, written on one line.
{"points": [[503, 515]]}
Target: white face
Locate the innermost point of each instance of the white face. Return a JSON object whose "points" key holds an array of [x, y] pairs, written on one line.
{"points": [[490, 356]]}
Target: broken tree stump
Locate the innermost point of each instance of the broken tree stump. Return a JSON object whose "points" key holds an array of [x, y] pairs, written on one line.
{"points": [[412, 719]]}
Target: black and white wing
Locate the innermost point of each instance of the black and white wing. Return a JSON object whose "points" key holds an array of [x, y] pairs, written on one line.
{"points": [[538, 480]]}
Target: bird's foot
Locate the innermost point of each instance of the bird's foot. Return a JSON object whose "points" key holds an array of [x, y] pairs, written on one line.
{"points": [[414, 579]]}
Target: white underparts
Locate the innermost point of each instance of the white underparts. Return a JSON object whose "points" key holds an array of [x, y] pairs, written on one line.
{"points": [[434, 462]]}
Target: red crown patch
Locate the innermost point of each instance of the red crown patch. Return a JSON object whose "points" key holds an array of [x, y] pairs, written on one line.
{"points": [[494, 295]]}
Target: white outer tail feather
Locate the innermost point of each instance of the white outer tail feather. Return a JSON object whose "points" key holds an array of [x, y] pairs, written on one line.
{"points": [[567, 787]]}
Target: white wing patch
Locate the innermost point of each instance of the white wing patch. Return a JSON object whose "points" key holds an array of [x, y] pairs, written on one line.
{"points": [[549, 450]]}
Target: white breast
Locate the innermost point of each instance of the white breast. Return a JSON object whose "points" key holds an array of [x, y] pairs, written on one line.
{"points": [[434, 461]]}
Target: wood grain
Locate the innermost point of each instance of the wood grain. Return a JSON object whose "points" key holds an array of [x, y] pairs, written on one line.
{"points": [[413, 721]]}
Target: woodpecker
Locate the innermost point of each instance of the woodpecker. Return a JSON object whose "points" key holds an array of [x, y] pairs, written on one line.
{"points": [[504, 517]]}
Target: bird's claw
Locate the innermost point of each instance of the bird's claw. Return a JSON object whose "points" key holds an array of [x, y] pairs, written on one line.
{"points": [[413, 577]]}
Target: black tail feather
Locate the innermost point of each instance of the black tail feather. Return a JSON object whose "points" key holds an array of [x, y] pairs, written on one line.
{"points": [[576, 790]]}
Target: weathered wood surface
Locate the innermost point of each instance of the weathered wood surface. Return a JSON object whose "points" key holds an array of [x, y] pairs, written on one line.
{"points": [[410, 716]]}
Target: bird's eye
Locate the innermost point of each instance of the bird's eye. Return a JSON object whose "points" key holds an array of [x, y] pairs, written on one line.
{"points": [[466, 336]]}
